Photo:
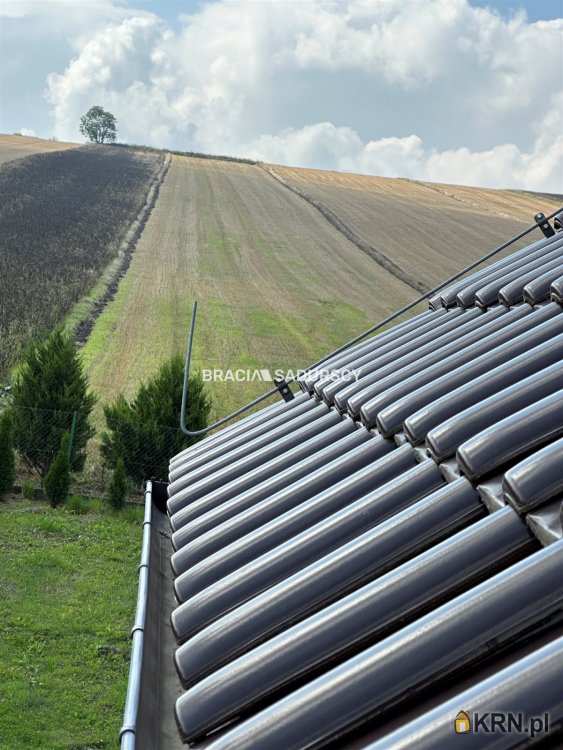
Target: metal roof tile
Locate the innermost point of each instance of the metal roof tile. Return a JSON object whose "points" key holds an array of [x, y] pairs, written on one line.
{"points": [[329, 574]]}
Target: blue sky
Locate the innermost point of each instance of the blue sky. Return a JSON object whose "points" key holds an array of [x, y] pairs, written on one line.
{"points": [[448, 90], [536, 9]]}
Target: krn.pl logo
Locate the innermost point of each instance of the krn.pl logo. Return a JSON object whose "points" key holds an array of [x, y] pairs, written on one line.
{"points": [[462, 723], [492, 722]]}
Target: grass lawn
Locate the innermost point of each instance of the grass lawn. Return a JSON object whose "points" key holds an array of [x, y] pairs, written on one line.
{"points": [[68, 585]]}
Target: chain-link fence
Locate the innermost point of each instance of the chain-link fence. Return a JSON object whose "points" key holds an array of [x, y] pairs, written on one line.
{"points": [[38, 434]]}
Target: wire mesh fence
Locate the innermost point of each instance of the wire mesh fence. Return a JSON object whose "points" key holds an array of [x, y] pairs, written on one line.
{"points": [[38, 434]]}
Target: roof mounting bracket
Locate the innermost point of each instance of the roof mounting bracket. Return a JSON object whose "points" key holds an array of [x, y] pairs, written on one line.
{"points": [[544, 225], [284, 389]]}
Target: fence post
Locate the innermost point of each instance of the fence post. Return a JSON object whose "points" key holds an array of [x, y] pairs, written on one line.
{"points": [[72, 436]]}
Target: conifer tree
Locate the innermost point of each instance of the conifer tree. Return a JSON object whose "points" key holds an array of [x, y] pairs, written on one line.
{"points": [[57, 481], [50, 396], [118, 488], [7, 455], [144, 432]]}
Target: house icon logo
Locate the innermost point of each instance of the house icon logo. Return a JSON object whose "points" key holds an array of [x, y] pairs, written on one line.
{"points": [[462, 723]]}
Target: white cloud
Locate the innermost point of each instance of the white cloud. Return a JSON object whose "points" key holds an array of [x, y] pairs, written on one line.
{"points": [[27, 131], [38, 36], [324, 145], [435, 89], [116, 62]]}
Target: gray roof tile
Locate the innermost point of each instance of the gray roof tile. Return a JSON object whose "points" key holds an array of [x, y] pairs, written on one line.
{"points": [[332, 580]]}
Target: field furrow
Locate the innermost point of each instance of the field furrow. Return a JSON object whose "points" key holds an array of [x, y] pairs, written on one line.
{"points": [[429, 230], [277, 285]]}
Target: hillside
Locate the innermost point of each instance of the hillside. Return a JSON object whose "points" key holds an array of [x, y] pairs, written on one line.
{"points": [[286, 263], [428, 230], [278, 284], [18, 146], [64, 217]]}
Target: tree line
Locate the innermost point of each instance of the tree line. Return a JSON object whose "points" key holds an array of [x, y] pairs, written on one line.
{"points": [[50, 398]]}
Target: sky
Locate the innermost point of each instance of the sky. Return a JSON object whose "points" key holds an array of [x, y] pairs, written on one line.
{"points": [[459, 91]]}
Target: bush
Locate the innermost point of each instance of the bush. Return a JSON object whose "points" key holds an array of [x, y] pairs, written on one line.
{"points": [[96, 505], [78, 505], [118, 488], [144, 431], [7, 456], [28, 490], [133, 514], [57, 481], [49, 388]]}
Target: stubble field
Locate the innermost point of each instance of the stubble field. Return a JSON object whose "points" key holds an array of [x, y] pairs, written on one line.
{"points": [[277, 285], [286, 263], [17, 146], [429, 230]]}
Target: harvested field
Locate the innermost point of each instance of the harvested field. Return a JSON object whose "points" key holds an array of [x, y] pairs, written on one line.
{"points": [[18, 146], [277, 285], [63, 218], [282, 276], [428, 230]]}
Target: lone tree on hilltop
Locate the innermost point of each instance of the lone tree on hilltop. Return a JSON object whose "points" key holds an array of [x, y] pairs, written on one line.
{"points": [[98, 125]]}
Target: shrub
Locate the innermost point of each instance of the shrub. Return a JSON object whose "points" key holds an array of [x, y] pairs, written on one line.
{"points": [[7, 456], [143, 431], [28, 490], [96, 505], [76, 504], [133, 514], [118, 488], [49, 388], [57, 481]]}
